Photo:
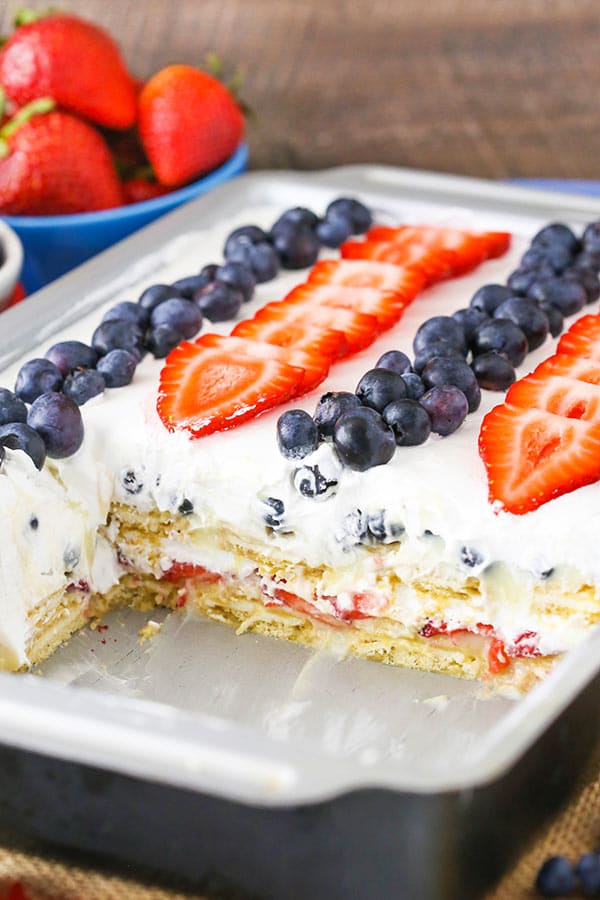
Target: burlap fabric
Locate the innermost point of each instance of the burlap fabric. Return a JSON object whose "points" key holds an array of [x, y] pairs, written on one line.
{"points": [[574, 831]]}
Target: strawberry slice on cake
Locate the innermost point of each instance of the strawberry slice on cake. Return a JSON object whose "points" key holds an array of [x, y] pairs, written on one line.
{"points": [[544, 440], [205, 388]]}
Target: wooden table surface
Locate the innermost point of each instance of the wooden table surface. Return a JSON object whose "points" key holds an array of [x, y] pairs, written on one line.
{"points": [[492, 88]]}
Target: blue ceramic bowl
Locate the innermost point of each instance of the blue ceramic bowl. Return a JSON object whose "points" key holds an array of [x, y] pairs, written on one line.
{"points": [[55, 244]]}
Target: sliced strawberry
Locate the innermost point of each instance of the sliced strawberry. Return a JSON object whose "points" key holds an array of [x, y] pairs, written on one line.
{"points": [[299, 604], [587, 370], [532, 455], [470, 248], [316, 367], [179, 571], [497, 243], [498, 659], [582, 339], [361, 606], [560, 395], [386, 306], [365, 273], [434, 264], [204, 389], [359, 330], [321, 341]]}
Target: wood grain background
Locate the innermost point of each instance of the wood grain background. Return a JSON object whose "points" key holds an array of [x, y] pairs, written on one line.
{"points": [[482, 87]]}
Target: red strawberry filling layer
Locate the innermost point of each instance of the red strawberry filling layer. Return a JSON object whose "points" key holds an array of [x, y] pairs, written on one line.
{"points": [[499, 653], [345, 609]]}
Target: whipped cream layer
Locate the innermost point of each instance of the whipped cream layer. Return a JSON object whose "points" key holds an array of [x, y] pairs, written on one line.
{"points": [[437, 493]]}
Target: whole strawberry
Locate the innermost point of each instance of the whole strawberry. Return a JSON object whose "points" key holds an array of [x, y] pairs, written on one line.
{"points": [[189, 122], [73, 61], [54, 163]]}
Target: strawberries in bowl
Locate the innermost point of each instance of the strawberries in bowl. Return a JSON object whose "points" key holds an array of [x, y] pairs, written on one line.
{"points": [[183, 121], [79, 134]]}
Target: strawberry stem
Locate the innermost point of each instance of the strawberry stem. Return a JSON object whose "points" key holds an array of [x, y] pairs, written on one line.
{"points": [[35, 108], [25, 16]]}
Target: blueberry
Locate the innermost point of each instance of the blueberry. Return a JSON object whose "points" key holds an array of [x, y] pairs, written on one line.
{"points": [[219, 302], [493, 371], [556, 877], [414, 385], [57, 420], [297, 434], [557, 256], [118, 334], [117, 368], [297, 217], [525, 313], [262, 259], [132, 312], [363, 440], [409, 422], [2, 454], [504, 337], [155, 294], [162, 339], [82, 385], [131, 483], [264, 262], [521, 281], [588, 870], [358, 214], [568, 295], [469, 319], [20, 436], [382, 530], [591, 238], [183, 315], [186, 287], [246, 234], [12, 409], [311, 482], [440, 328], [70, 355], [333, 230], [378, 387], [209, 272], [239, 277], [297, 247], [437, 348], [330, 407], [355, 528], [555, 318], [471, 557], [35, 377], [488, 297], [556, 233], [441, 371], [71, 557], [588, 258], [588, 279], [395, 360], [186, 507], [447, 408], [273, 511]]}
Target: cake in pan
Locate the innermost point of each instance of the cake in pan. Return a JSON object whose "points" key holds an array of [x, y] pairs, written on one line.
{"points": [[266, 474]]}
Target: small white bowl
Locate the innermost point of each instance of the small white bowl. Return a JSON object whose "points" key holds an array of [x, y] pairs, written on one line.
{"points": [[10, 269]]}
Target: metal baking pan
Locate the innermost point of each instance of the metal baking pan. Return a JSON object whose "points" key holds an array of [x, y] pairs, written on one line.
{"points": [[258, 766]]}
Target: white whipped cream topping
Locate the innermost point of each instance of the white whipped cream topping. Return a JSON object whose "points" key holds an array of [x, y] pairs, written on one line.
{"points": [[439, 487]]}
